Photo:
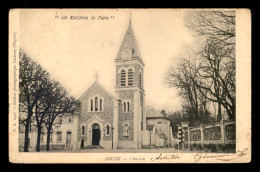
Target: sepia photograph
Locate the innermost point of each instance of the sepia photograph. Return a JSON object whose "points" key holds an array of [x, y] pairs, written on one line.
{"points": [[129, 85]]}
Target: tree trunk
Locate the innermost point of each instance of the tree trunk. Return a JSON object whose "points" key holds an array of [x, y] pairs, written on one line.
{"points": [[48, 139], [49, 128], [232, 114], [219, 117], [38, 145], [26, 136]]}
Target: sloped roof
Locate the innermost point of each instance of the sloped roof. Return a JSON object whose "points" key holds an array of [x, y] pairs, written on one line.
{"points": [[130, 42], [153, 113], [96, 84]]}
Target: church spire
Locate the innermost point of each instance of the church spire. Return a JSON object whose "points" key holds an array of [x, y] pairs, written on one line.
{"points": [[129, 45]]}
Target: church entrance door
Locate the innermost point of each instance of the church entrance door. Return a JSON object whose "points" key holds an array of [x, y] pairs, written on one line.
{"points": [[95, 134]]}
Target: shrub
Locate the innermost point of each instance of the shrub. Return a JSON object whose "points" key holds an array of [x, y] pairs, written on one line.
{"points": [[213, 147]]}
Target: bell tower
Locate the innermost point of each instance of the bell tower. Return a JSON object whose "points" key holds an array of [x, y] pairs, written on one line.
{"points": [[130, 91]]}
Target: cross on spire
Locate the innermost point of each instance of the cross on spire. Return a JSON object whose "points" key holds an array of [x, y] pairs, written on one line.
{"points": [[130, 18], [96, 76]]}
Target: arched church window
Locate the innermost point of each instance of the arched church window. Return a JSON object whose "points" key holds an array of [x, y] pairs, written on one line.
{"points": [[130, 77], [140, 79], [128, 106], [124, 106], [126, 130], [82, 130], [123, 78], [100, 104], [91, 102], [96, 104]]}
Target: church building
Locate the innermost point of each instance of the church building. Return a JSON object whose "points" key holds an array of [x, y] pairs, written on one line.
{"points": [[112, 121], [116, 121]]}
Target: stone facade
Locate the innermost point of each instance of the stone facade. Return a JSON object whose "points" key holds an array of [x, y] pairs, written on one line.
{"points": [[160, 131], [103, 117], [129, 89]]}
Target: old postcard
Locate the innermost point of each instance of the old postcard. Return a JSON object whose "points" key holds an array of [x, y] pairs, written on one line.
{"points": [[130, 86]]}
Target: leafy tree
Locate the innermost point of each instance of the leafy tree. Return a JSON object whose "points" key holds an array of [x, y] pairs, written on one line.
{"points": [[164, 113], [175, 119]]}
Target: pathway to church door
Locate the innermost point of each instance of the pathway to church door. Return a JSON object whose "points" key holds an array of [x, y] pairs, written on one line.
{"points": [[95, 134]]}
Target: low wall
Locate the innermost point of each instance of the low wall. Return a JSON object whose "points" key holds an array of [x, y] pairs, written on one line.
{"points": [[53, 147], [214, 137], [128, 145]]}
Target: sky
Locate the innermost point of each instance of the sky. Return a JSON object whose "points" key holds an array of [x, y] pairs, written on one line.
{"points": [[73, 51]]}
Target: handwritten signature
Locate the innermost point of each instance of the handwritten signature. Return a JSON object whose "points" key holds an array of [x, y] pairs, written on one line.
{"points": [[165, 157], [221, 157]]}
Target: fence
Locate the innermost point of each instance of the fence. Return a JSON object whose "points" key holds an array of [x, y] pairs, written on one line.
{"points": [[222, 133]]}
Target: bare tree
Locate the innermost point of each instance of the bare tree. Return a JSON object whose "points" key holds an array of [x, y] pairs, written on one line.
{"points": [[31, 76], [41, 100], [41, 110], [217, 76], [217, 72], [184, 77], [214, 25], [60, 105]]}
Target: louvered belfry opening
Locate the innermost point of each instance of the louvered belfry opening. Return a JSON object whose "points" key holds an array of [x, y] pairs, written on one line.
{"points": [[123, 78], [130, 77]]}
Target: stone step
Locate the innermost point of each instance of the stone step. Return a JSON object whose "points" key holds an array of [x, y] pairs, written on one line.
{"points": [[93, 147]]}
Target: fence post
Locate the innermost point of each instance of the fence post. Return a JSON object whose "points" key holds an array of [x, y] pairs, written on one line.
{"points": [[184, 126], [201, 136], [179, 135], [222, 132]]}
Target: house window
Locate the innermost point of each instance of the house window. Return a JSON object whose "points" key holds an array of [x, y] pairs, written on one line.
{"points": [[96, 104], [59, 136], [69, 118], [41, 137], [91, 104], [51, 135], [126, 130], [59, 120], [130, 77], [82, 130], [123, 78], [140, 79], [107, 133], [100, 104]]}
